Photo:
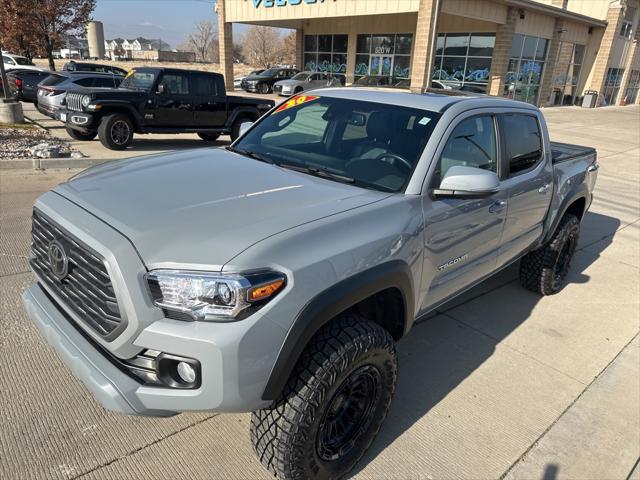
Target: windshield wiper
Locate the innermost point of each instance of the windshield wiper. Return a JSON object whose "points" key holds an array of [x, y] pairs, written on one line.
{"points": [[318, 172], [250, 154]]}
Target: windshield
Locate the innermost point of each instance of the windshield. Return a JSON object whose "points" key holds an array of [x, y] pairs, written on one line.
{"points": [[22, 61], [367, 144], [301, 76], [269, 73], [138, 80]]}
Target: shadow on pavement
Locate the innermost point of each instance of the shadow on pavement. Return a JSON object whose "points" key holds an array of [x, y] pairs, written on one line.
{"points": [[432, 363]]}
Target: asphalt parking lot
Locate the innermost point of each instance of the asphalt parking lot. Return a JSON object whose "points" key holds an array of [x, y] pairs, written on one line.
{"points": [[499, 383]]}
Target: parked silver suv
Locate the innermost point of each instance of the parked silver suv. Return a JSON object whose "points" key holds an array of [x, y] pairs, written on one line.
{"points": [[275, 276]]}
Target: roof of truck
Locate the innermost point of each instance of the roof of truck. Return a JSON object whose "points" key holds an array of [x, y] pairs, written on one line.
{"points": [[434, 100]]}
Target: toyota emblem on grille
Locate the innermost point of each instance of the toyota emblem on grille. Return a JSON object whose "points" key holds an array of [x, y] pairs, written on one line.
{"points": [[58, 260]]}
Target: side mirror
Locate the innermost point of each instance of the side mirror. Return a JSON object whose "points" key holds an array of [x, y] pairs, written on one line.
{"points": [[244, 126], [160, 89], [467, 182]]}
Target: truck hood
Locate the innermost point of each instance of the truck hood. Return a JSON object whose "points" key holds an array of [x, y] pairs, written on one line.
{"points": [[198, 209], [111, 93]]}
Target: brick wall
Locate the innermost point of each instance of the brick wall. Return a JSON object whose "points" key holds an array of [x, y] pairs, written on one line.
{"points": [[546, 83], [225, 38], [614, 18], [425, 28], [502, 52]]}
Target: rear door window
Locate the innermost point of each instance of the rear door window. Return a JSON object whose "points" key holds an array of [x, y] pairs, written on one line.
{"points": [[175, 83], [84, 82], [523, 142], [204, 85]]}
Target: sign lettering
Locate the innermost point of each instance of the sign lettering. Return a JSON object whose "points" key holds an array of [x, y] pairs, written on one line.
{"points": [[282, 3]]}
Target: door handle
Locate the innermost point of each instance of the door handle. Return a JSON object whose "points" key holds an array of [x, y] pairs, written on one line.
{"points": [[544, 189], [498, 206]]}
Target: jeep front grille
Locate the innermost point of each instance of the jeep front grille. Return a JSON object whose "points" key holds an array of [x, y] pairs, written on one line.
{"points": [[74, 101], [86, 289]]}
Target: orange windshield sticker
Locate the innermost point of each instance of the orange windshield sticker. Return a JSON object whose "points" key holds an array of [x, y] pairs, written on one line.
{"points": [[295, 101]]}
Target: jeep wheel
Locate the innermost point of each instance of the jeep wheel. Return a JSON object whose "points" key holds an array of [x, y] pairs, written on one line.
{"points": [[545, 270], [263, 88], [77, 135], [116, 131], [333, 404], [209, 137], [235, 128]]}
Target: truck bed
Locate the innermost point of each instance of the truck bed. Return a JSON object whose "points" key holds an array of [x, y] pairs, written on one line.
{"points": [[562, 152]]}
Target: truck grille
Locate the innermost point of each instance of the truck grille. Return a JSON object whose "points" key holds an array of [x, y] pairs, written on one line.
{"points": [[74, 101], [86, 289]]}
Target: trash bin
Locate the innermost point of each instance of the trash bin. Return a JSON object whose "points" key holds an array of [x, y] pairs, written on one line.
{"points": [[590, 98]]}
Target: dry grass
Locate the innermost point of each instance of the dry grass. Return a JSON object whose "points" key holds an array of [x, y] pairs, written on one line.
{"points": [[238, 69], [18, 126]]}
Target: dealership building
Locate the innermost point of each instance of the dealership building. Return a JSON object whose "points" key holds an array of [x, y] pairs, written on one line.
{"points": [[546, 52]]}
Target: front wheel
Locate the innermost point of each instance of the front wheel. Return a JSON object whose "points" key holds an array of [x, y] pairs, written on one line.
{"points": [[263, 88], [333, 404], [545, 270], [209, 137], [82, 136], [116, 131]]}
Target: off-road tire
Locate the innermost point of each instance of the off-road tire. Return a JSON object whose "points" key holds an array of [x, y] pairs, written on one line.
{"points": [[108, 136], [82, 136], [263, 88], [286, 436], [235, 128], [209, 137], [544, 270]]}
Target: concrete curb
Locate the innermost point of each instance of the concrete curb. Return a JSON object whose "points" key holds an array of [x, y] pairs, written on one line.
{"points": [[45, 163]]}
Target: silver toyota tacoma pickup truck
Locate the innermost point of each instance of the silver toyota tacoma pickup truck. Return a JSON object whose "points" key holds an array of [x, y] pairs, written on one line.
{"points": [[275, 276]]}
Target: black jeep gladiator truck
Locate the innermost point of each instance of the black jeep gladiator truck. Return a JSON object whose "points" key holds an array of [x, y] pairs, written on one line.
{"points": [[158, 100]]}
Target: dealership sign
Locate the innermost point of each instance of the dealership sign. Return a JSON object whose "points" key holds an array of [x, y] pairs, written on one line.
{"points": [[282, 3]]}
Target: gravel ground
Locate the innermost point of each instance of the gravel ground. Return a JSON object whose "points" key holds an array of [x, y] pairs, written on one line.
{"points": [[20, 143]]}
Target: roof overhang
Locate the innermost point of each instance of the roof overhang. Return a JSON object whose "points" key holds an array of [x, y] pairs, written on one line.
{"points": [[555, 12]]}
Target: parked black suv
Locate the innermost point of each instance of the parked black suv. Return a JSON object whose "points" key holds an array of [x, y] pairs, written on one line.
{"points": [[263, 82], [159, 100]]}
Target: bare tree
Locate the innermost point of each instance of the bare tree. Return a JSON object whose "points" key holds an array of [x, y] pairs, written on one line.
{"points": [[203, 39], [262, 46], [289, 49]]}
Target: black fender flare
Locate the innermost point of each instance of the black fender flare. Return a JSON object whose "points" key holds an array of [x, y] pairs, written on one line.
{"points": [[577, 192], [330, 303], [115, 106], [242, 111]]}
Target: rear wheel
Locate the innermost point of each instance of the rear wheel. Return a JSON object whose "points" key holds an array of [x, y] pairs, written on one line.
{"points": [[545, 270], [209, 137], [235, 128], [333, 404], [116, 131], [83, 136]]}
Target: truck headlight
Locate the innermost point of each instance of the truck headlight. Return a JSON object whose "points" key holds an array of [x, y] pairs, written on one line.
{"points": [[212, 296], [86, 100]]}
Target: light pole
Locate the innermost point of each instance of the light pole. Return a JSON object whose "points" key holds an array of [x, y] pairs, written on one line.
{"points": [[3, 74]]}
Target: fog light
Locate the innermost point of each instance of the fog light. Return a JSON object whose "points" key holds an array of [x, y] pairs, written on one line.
{"points": [[186, 372]]}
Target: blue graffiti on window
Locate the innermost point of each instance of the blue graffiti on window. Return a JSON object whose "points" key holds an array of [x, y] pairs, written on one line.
{"points": [[480, 75]]}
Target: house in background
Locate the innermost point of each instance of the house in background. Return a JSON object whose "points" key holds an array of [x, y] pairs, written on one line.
{"points": [[145, 49]]}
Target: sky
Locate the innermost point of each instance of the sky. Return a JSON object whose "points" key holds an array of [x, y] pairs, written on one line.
{"points": [[168, 20]]}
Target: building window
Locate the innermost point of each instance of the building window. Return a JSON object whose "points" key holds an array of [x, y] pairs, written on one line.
{"points": [[612, 85], [387, 55], [631, 93], [325, 53], [526, 64], [464, 59], [566, 73]]}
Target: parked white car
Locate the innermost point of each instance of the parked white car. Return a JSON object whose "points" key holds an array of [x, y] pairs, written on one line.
{"points": [[306, 81], [13, 62]]}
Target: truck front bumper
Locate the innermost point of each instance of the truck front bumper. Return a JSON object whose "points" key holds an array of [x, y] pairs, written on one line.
{"points": [[75, 120], [118, 391]]}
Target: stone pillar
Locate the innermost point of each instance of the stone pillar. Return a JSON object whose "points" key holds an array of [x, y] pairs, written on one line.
{"points": [[11, 111], [546, 82], [501, 53], [632, 59], [352, 47], [615, 16], [423, 45], [225, 40], [299, 49]]}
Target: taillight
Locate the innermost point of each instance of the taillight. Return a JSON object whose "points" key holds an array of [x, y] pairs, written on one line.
{"points": [[18, 82]]}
